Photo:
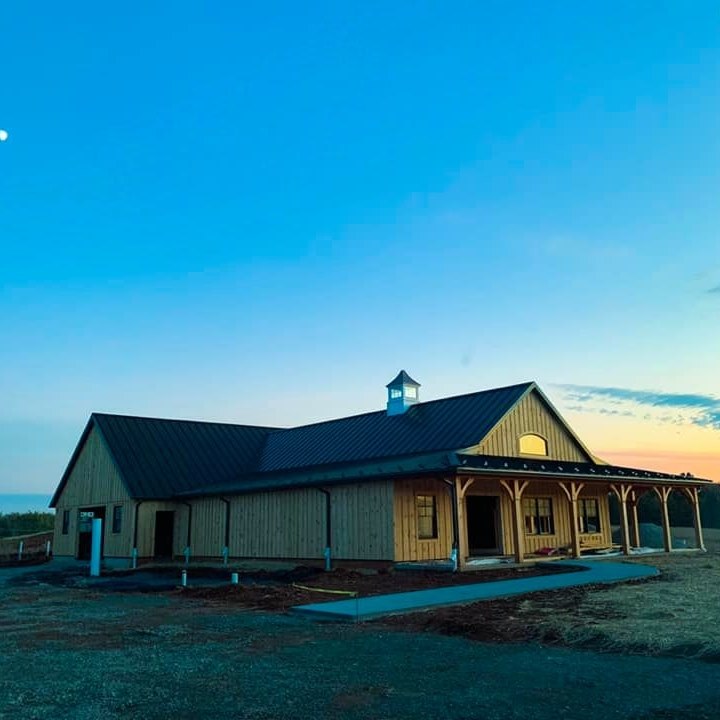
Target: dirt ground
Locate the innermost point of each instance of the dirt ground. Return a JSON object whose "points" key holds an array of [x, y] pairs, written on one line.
{"points": [[674, 615], [74, 652]]}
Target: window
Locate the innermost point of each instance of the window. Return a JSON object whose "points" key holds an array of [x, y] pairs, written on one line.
{"points": [[589, 516], [426, 517], [117, 519], [395, 393], [532, 444], [66, 522], [411, 392], [538, 516]]}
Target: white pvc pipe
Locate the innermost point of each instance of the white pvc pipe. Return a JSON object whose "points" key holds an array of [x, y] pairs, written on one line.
{"points": [[20, 549], [183, 578], [234, 578], [134, 557], [48, 545], [97, 530]]}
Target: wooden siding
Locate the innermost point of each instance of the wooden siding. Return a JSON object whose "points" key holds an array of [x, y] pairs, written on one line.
{"points": [[362, 521], [531, 415], [408, 547], [291, 524], [284, 524], [93, 482]]}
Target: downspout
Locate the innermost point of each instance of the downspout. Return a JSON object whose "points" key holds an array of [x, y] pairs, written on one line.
{"points": [[226, 546], [455, 523], [328, 529], [186, 551], [134, 554]]}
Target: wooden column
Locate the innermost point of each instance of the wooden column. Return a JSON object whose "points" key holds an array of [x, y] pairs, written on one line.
{"points": [[515, 490], [664, 493], [572, 492], [622, 493], [635, 523], [461, 487], [694, 497]]}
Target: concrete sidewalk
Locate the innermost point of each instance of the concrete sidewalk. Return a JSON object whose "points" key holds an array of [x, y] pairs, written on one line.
{"points": [[371, 607]]}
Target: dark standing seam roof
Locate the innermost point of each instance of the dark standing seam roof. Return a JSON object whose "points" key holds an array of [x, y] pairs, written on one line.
{"points": [[160, 458], [448, 424]]}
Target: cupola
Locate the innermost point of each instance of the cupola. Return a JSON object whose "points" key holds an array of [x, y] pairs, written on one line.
{"points": [[403, 392]]}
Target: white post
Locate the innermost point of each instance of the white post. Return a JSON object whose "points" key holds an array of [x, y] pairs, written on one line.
{"points": [[234, 578], [134, 558], [183, 578], [97, 530], [48, 545], [20, 550]]}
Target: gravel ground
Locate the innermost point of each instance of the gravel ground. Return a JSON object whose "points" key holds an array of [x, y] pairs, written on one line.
{"points": [[82, 654]]}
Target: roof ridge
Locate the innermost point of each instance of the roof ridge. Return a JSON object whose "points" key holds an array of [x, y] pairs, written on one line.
{"points": [[416, 405], [183, 420]]}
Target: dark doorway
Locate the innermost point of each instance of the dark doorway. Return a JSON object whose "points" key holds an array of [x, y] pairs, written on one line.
{"points": [[164, 527], [483, 524], [85, 518]]}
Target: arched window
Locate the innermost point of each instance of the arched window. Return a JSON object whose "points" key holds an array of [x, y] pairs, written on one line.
{"points": [[532, 444]]}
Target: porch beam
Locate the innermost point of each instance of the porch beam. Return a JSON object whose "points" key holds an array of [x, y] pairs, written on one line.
{"points": [[515, 489]]}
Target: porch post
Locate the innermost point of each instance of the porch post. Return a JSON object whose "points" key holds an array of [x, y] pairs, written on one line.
{"points": [[621, 493], [461, 487], [663, 494], [635, 523], [515, 489], [572, 492], [694, 498]]}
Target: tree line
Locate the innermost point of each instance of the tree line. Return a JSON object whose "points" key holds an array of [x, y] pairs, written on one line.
{"points": [[12, 524]]}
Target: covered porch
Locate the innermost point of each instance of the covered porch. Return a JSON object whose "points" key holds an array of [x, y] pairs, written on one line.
{"points": [[520, 508]]}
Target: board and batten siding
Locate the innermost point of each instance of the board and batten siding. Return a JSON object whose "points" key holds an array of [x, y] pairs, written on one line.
{"points": [[94, 481], [531, 415], [362, 521], [292, 523], [408, 547]]}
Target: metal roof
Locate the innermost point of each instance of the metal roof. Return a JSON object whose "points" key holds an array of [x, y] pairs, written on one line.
{"points": [[159, 458], [451, 423], [588, 471]]}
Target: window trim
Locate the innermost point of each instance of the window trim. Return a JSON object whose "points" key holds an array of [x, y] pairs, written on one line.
{"points": [[533, 454], [117, 521], [435, 534], [536, 517]]}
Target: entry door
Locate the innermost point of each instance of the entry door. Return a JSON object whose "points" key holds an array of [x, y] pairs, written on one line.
{"points": [[482, 524], [164, 528], [85, 518]]}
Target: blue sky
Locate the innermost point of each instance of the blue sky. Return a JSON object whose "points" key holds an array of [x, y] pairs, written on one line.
{"points": [[259, 212]]}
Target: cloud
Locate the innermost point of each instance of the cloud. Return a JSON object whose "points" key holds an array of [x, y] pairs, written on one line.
{"points": [[714, 290], [689, 408]]}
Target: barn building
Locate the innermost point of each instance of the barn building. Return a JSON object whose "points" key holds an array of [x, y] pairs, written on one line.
{"points": [[491, 473]]}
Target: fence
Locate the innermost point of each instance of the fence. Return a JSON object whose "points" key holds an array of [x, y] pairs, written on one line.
{"points": [[26, 547]]}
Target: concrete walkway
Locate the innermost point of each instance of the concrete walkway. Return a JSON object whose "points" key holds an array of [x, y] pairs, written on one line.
{"points": [[371, 607]]}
